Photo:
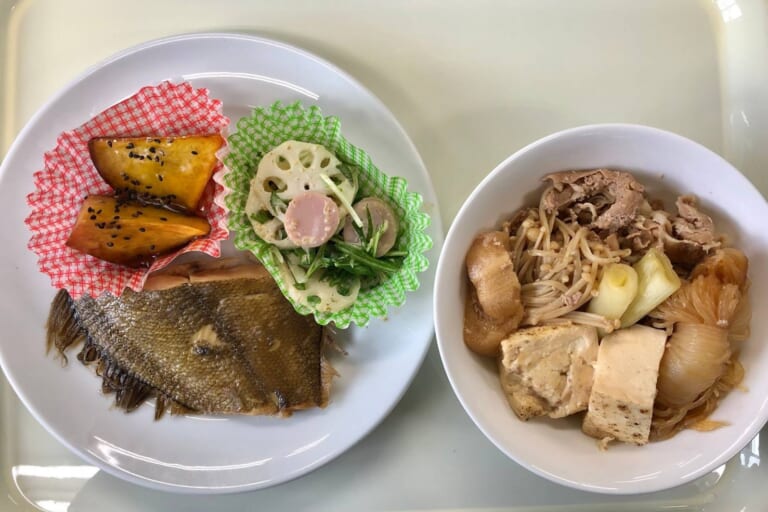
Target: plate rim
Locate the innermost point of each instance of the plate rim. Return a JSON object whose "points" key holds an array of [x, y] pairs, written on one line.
{"points": [[437, 235]]}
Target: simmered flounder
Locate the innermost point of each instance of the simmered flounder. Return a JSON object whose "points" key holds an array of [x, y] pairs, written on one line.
{"points": [[222, 341]]}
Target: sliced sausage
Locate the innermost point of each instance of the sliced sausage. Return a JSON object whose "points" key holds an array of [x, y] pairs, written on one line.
{"points": [[311, 219], [380, 212]]}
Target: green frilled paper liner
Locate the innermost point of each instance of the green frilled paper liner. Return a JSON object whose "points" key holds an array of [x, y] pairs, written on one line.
{"points": [[269, 127]]}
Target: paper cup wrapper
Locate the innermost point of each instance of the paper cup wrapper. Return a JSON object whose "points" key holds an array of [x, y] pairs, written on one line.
{"points": [[68, 176], [269, 127]]}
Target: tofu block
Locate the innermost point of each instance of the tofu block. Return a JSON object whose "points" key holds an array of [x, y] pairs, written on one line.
{"points": [[547, 370], [621, 403]]}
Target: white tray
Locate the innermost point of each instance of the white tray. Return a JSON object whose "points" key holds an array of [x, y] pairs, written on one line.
{"points": [[471, 83]]}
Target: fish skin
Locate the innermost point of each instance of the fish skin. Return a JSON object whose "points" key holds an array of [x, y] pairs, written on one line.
{"points": [[222, 341]]}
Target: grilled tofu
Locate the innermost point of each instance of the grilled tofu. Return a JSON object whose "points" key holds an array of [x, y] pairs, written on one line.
{"points": [[621, 403], [547, 370]]}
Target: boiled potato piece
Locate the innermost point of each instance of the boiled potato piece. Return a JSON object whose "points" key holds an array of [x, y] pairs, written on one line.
{"points": [[164, 170], [131, 234]]}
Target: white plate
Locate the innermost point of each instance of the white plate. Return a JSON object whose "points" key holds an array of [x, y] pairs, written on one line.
{"points": [[190, 454]]}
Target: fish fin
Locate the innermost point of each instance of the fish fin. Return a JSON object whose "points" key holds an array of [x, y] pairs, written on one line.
{"points": [[327, 371], [130, 391], [179, 408], [160, 406], [63, 328], [227, 273], [327, 374], [201, 272], [164, 282], [330, 342]]}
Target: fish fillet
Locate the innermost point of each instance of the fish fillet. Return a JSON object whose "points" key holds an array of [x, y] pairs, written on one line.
{"points": [[201, 340]]}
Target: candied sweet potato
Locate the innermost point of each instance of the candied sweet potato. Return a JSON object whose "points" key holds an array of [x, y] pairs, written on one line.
{"points": [[131, 234], [163, 170]]}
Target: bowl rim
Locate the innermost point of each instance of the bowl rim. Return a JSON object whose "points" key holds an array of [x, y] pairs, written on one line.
{"points": [[743, 438]]}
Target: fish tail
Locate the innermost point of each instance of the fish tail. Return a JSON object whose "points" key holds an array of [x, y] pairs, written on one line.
{"points": [[62, 328]]}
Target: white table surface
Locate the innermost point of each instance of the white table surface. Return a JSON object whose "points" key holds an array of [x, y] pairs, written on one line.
{"points": [[471, 82]]}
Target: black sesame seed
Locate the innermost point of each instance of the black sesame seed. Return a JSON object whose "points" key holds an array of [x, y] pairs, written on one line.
{"points": [[93, 217], [98, 211], [118, 226], [109, 143], [110, 244], [151, 247], [116, 217], [135, 182], [90, 210], [157, 159], [126, 238], [142, 229], [194, 152], [160, 177], [114, 236], [131, 154], [157, 141], [152, 149], [162, 163], [148, 187], [163, 219], [141, 157], [130, 146]]}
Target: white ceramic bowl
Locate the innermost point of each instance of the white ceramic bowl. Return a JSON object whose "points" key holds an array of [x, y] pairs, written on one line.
{"points": [[668, 165]]}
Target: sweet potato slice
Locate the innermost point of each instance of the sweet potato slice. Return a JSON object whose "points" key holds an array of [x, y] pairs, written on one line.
{"points": [[160, 170], [131, 234]]}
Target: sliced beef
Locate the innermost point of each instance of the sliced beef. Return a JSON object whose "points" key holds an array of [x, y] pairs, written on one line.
{"points": [[685, 238], [614, 196], [691, 224]]}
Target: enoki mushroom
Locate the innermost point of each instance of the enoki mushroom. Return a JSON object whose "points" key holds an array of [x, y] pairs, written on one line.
{"points": [[559, 265]]}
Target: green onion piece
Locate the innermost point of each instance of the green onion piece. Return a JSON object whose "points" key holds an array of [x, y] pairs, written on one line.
{"points": [[261, 216], [316, 261], [313, 299], [277, 203], [331, 185], [276, 254], [373, 244], [349, 173], [366, 259]]}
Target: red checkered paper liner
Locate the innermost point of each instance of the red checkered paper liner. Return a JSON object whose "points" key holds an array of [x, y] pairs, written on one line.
{"points": [[68, 176]]}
